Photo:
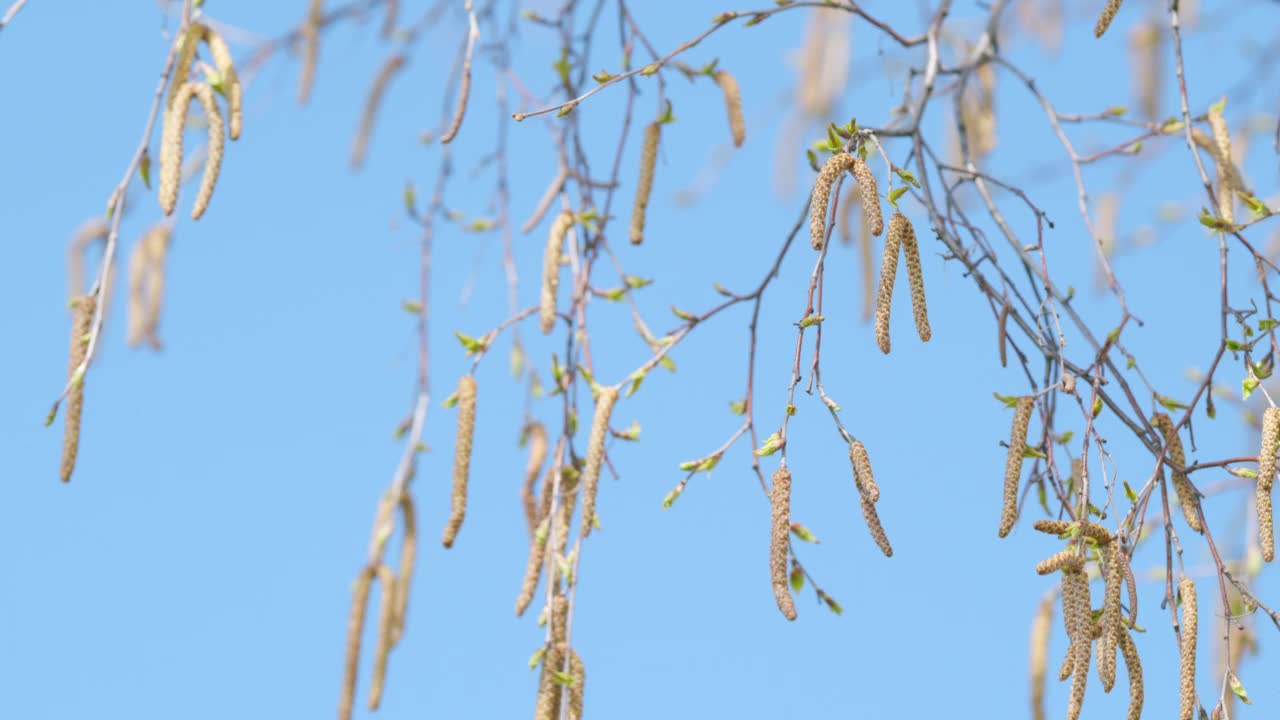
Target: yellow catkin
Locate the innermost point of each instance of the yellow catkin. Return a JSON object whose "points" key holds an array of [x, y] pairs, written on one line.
{"points": [[644, 187], [551, 272], [779, 541], [862, 471], [575, 691], [175, 121], [1058, 561], [832, 169], [1108, 14], [1132, 587], [1187, 649], [1223, 164], [547, 705], [1145, 59], [1013, 462], [915, 279], [408, 560], [1266, 525], [90, 232], [1133, 667], [146, 285], [462, 456], [533, 568], [888, 274], [310, 35], [872, 518], [732, 105], [81, 325], [137, 316], [1113, 574], [1187, 497], [188, 43], [560, 528], [1266, 480], [1093, 531], [1081, 633], [460, 109], [595, 455], [869, 191], [536, 437], [867, 269], [386, 621], [1041, 627], [355, 628], [361, 145], [1068, 616], [1002, 334], [230, 80]]}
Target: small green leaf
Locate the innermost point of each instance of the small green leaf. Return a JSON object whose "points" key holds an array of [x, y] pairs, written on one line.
{"points": [[450, 401], [1010, 401], [1170, 404], [536, 657], [602, 77], [1117, 111], [1244, 473], [1097, 406], [635, 282], [670, 499], [803, 533], [831, 603], [1032, 452], [1238, 688], [1214, 222], [411, 306], [1129, 492], [895, 194], [738, 407], [636, 379], [144, 168], [470, 344], [772, 444], [1248, 385], [517, 361], [632, 433], [683, 314], [907, 177], [1065, 437], [797, 578], [410, 199], [810, 320]]}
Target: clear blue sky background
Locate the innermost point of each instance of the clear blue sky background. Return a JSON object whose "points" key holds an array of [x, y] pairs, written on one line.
{"points": [[199, 565]]}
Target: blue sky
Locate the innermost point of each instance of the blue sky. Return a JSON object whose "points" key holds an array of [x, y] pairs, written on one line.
{"points": [[199, 564]]}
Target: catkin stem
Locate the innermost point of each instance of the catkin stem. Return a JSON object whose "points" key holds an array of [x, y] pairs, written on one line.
{"points": [[779, 541], [595, 456], [361, 145], [462, 457], [81, 325], [1013, 462], [644, 186], [1187, 649], [733, 105], [551, 272]]}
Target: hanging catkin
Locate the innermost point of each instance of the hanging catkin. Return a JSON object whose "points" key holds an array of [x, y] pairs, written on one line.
{"points": [[1113, 574], [175, 120], [644, 187], [862, 471], [732, 105], [408, 559], [915, 277], [355, 628], [1187, 649], [386, 621], [1075, 581], [462, 456], [551, 272], [388, 70], [1266, 480], [536, 437], [779, 541], [1108, 14], [81, 325], [888, 274], [1187, 498], [818, 206], [1133, 667], [1013, 462], [595, 456], [1041, 627]]}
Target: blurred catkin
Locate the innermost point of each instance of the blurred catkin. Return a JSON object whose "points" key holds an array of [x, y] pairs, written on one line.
{"points": [[536, 437], [386, 623], [733, 105], [361, 145], [175, 120], [644, 186], [595, 455], [408, 560], [1133, 667], [1041, 627], [230, 80], [551, 272], [862, 475], [1187, 649], [915, 277], [818, 206], [310, 35], [462, 456], [1113, 575], [779, 541], [82, 309], [1013, 462]]}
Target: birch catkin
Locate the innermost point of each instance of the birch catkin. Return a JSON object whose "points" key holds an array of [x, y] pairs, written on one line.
{"points": [[579, 673], [1074, 581], [1187, 498], [1041, 627], [872, 518], [870, 194], [595, 456], [355, 628], [371, 105], [732, 105], [1093, 531], [1108, 14], [386, 621], [1133, 667], [408, 560], [533, 567], [915, 277], [835, 165], [1223, 163], [1114, 580], [536, 437], [779, 541], [551, 272], [862, 471], [81, 325], [888, 274], [1013, 462], [1266, 480], [462, 456], [175, 120], [644, 187], [230, 80], [1187, 649]]}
